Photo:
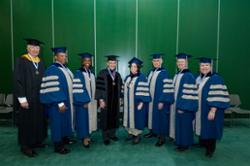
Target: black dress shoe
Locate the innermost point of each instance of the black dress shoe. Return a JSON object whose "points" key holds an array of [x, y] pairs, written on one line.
{"points": [[209, 154], [71, 141], [149, 135], [86, 146], [137, 140], [130, 137], [40, 145], [68, 141], [114, 138], [34, 153], [159, 143], [171, 139], [62, 150], [181, 149], [106, 142], [28, 152], [198, 145]]}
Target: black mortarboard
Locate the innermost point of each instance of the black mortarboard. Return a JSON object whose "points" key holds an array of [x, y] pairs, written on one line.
{"points": [[33, 42], [206, 60], [85, 55], [183, 56], [57, 50], [157, 55], [112, 57], [136, 61]]}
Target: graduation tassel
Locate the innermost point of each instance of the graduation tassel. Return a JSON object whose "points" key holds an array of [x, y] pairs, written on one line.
{"points": [[67, 58], [212, 63], [186, 62]]}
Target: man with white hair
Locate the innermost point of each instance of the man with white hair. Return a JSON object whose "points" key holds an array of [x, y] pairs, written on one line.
{"points": [[161, 90], [28, 72], [186, 103]]}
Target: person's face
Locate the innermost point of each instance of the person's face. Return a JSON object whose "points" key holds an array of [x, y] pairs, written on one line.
{"points": [[205, 68], [86, 63], [33, 50], [111, 64], [134, 68], [181, 64], [61, 57], [157, 62]]}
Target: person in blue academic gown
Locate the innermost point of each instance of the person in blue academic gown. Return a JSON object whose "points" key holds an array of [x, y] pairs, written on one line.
{"points": [[84, 100], [185, 105], [56, 94], [162, 93], [136, 98], [213, 100]]}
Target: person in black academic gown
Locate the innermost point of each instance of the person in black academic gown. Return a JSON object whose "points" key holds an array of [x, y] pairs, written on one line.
{"points": [[108, 93], [32, 125]]}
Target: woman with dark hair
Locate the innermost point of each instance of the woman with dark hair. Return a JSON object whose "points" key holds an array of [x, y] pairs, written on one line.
{"points": [[136, 99]]}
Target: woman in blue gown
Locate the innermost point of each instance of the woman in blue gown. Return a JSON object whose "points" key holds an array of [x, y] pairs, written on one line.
{"points": [[136, 99]]}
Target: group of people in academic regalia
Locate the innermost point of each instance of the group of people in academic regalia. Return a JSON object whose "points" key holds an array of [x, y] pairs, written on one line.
{"points": [[177, 108]]}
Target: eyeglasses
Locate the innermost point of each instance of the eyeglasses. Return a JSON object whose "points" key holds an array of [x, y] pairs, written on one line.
{"points": [[34, 47]]}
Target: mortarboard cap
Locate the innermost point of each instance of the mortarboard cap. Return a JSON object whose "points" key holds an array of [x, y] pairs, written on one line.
{"points": [[33, 42], [157, 55], [136, 61], [85, 55], [112, 57], [183, 56], [206, 60], [57, 50]]}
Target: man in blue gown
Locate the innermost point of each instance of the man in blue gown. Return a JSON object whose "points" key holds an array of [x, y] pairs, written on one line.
{"points": [[185, 105], [162, 93], [213, 100], [56, 94]]}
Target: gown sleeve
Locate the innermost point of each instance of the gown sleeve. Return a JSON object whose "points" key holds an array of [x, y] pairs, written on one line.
{"points": [[80, 94], [100, 86], [167, 94], [51, 88], [142, 93], [19, 80], [218, 95], [188, 100]]}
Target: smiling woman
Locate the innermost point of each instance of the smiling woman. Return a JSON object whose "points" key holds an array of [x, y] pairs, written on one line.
{"points": [[136, 99]]}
